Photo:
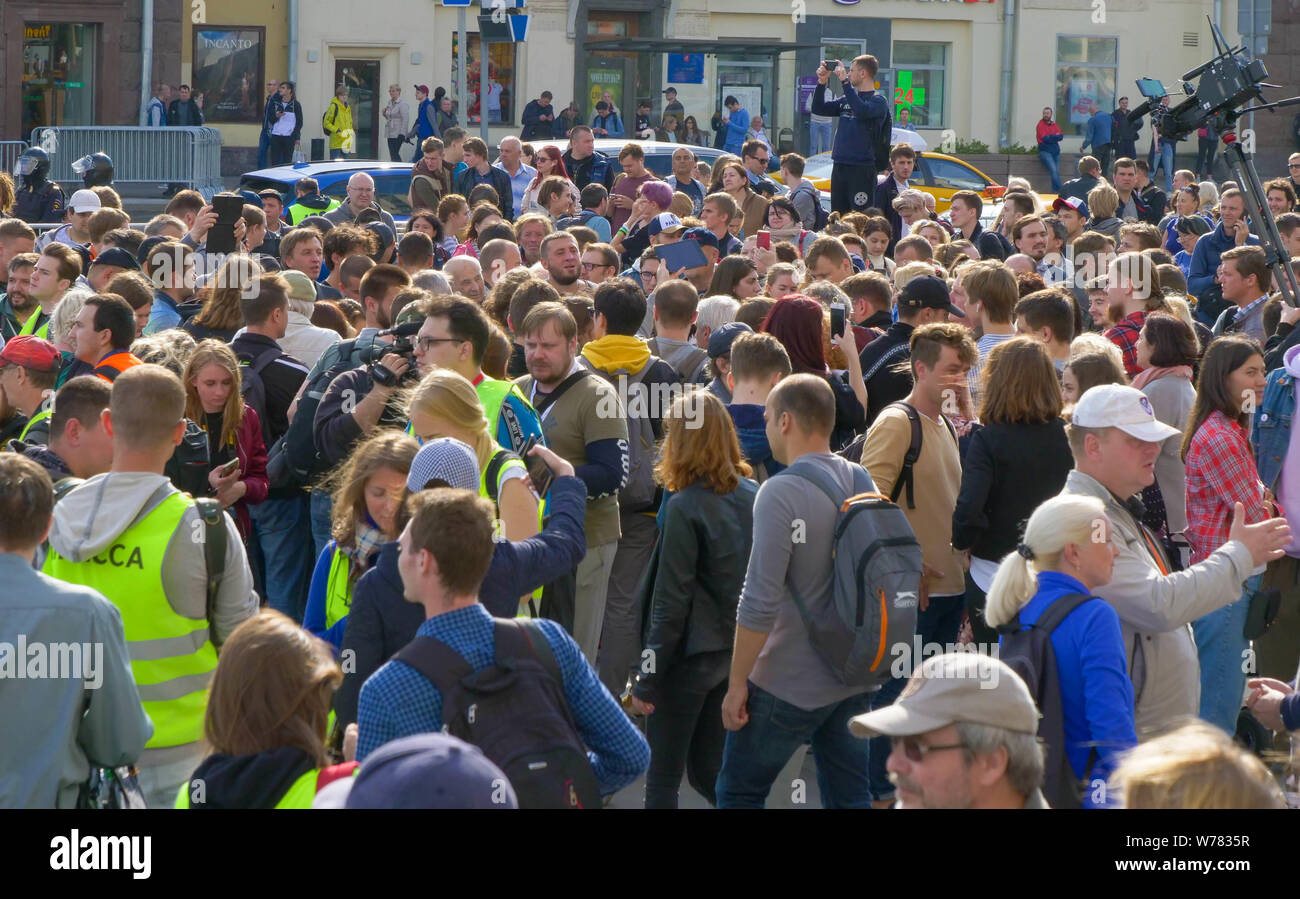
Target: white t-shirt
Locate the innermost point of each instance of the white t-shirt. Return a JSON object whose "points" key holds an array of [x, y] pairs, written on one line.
{"points": [[284, 125]]}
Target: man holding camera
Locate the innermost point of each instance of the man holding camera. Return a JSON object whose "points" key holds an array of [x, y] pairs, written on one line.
{"points": [[862, 114]]}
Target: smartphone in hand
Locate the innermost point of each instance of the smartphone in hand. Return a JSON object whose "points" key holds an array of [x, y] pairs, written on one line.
{"points": [[538, 471], [230, 467], [839, 319]]}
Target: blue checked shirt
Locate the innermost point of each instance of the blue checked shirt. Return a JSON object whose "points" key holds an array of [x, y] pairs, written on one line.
{"points": [[398, 701]]}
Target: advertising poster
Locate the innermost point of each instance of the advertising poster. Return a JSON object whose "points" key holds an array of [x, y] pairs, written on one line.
{"points": [[228, 67]]}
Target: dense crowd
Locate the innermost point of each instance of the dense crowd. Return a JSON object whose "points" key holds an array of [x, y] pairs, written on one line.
{"points": [[589, 469]]}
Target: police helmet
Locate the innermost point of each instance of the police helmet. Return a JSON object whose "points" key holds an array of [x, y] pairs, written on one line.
{"points": [[33, 164], [95, 169]]}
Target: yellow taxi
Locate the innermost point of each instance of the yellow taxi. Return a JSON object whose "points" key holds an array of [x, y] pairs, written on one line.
{"points": [[935, 173]]}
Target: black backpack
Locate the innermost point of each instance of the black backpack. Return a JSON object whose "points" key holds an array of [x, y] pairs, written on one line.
{"points": [[187, 468], [1028, 652], [884, 141], [253, 389], [913, 453], [515, 711]]}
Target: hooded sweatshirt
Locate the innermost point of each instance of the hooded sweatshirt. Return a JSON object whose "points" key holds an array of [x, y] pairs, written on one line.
{"points": [[90, 518], [752, 432], [250, 781]]}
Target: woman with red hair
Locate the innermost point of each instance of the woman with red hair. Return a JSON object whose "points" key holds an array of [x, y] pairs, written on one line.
{"points": [[550, 161], [797, 322]]}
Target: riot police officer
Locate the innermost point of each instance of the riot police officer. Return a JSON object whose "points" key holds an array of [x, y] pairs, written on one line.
{"points": [[95, 170], [38, 199]]}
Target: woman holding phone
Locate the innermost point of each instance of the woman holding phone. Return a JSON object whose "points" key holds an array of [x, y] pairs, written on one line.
{"points": [[236, 452]]}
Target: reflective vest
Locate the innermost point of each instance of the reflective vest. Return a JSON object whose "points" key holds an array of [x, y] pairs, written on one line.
{"points": [[299, 795], [114, 364], [298, 212], [338, 589], [41, 415], [172, 656], [37, 324], [492, 394]]}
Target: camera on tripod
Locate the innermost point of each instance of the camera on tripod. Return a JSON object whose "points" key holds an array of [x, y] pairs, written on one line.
{"points": [[401, 345]]}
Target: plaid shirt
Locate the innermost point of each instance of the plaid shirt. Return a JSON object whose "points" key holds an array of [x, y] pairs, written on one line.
{"points": [[1220, 471], [398, 701], [1125, 336]]}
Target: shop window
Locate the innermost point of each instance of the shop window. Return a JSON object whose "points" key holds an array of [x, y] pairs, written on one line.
{"points": [[58, 75], [502, 81], [920, 83], [1085, 79]]}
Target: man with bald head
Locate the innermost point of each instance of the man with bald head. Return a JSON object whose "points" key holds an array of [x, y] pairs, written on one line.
{"points": [[512, 163], [361, 196], [1021, 264], [498, 257], [466, 277]]}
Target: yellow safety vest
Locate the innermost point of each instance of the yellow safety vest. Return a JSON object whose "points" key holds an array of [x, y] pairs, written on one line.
{"points": [[338, 589], [172, 656], [30, 327], [483, 492], [492, 394], [39, 416], [297, 213], [299, 795]]}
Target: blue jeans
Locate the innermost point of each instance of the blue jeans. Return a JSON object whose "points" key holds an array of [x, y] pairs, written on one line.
{"points": [[1221, 645], [819, 137], [338, 153], [263, 148], [939, 623], [1167, 163], [281, 527], [321, 507], [1052, 162], [754, 755]]}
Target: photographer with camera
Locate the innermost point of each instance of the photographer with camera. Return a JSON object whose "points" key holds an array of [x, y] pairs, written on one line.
{"points": [[361, 401], [862, 139]]}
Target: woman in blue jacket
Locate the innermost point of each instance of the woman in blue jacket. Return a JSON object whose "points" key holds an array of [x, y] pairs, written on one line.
{"points": [[368, 493], [1068, 548]]}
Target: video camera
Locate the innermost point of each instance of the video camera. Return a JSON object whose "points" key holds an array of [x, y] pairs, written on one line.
{"points": [[401, 346]]}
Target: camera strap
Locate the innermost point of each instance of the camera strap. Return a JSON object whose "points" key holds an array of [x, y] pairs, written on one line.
{"points": [[543, 401]]}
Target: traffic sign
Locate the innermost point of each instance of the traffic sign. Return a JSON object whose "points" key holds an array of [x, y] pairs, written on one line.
{"points": [[455, 2], [519, 27]]}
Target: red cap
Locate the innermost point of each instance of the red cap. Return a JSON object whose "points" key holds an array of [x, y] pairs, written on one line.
{"points": [[31, 352], [422, 88]]}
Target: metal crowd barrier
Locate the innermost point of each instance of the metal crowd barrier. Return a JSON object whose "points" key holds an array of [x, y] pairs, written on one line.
{"points": [[189, 156], [10, 150]]}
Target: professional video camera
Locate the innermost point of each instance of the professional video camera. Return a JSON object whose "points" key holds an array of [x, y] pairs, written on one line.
{"points": [[1229, 80], [401, 346]]}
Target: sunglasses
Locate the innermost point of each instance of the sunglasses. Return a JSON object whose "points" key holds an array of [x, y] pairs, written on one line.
{"points": [[916, 751]]}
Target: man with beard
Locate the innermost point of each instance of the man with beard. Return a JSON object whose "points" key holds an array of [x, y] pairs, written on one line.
{"points": [[18, 304], [582, 162], [563, 263], [15, 238], [570, 400], [1029, 234]]}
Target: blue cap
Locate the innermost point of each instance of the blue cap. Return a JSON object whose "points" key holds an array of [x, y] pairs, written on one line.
{"points": [[251, 198], [722, 337], [701, 235], [430, 771]]}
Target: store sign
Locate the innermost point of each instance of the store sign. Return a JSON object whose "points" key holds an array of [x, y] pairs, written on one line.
{"points": [[907, 95], [37, 33]]}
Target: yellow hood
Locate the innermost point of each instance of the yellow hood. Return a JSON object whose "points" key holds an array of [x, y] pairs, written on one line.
{"points": [[615, 351]]}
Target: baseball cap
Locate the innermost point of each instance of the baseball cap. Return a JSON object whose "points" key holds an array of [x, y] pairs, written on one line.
{"points": [[444, 459], [300, 286], [701, 235], [147, 245], [422, 88], [1123, 407], [958, 687], [270, 192], [722, 337], [117, 256], [319, 222], [429, 771], [1073, 202], [927, 292], [251, 199], [31, 352], [664, 221], [84, 201], [669, 90], [383, 232]]}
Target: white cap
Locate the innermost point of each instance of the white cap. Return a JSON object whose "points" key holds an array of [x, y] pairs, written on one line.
{"points": [[1123, 407], [84, 201]]}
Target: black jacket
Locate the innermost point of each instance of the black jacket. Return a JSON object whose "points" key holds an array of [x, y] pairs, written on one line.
{"points": [[500, 181], [534, 128], [184, 113], [380, 621], [990, 244], [281, 378], [1152, 207], [336, 431], [1008, 471], [883, 199], [696, 575], [1079, 187], [884, 385], [597, 167]]}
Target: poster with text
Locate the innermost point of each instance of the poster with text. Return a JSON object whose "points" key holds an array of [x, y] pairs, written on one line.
{"points": [[228, 67]]}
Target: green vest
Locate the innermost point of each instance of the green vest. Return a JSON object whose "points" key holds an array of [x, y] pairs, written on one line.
{"points": [[39, 416], [298, 212], [299, 795], [492, 394], [338, 589], [172, 657], [34, 327]]}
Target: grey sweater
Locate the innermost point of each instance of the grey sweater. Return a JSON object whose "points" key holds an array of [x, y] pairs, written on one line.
{"points": [[1172, 399], [793, 524]]}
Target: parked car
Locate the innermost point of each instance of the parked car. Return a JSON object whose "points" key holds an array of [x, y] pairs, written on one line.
{"points": [[936, 174]]}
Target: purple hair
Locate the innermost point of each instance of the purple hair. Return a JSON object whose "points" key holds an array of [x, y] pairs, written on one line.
{"points": [[659, 193]]}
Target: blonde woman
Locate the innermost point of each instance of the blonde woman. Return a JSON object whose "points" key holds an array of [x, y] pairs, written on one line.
{"points": [[368, 490], [444, 404], [910, 206], [222, 314], [1066, 554], [236, 451], [265, 721]]}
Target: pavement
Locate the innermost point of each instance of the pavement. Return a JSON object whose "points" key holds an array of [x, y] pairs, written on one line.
{"points": [[795, 787]]}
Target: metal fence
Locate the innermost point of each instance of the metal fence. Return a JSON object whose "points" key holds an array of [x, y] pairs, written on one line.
{"points": [[10, 150], [190, 156]]}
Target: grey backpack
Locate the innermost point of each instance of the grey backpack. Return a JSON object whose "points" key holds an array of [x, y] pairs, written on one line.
{"points": [[870, 611], [639, 491]]}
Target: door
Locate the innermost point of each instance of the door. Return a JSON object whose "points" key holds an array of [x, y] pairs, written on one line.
{"points": [[362, 78]]}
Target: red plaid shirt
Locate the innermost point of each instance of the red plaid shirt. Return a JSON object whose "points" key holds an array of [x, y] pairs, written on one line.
{"points": [[1125, 336], [1220, 471]]}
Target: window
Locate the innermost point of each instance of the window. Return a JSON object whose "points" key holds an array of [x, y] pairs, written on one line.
{"points": [[390, 192], [1085, 79], [920, 88], [58, 69], [501, 81], [951, 175]]}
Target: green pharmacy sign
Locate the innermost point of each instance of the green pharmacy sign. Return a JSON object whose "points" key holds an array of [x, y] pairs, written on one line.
{"points": [[905, 94]]}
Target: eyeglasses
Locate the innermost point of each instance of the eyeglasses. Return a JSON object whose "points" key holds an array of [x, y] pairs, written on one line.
{"points": [[424, 343], [916, 751], [588, 266]]}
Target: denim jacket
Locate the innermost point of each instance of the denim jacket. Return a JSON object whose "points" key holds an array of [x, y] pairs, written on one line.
{"points": [[1270, 431]]}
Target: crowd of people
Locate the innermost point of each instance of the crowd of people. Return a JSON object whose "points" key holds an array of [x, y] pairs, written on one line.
{"points": [[563, 466]]}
